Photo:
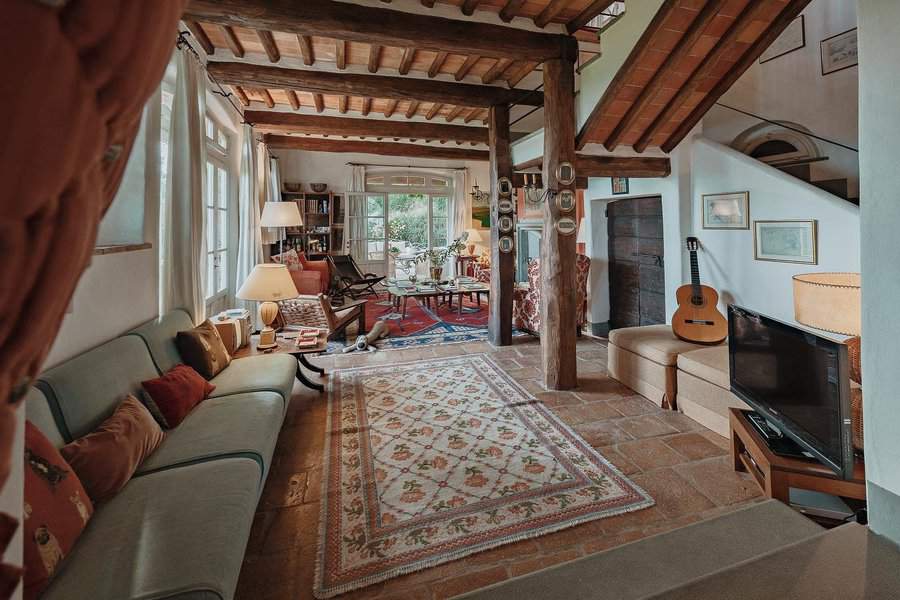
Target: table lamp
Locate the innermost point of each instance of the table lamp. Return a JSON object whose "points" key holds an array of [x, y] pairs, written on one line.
{"points": [[268, 283], [280, 214], [473, 237]]}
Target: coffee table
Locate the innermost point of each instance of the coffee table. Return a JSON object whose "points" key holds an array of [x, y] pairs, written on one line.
{"points": [[287, 345], [474, 287], [401, 294]]}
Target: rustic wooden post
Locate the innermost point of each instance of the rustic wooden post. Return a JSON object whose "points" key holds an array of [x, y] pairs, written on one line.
{"points": [[502, 263], [558, 324]]}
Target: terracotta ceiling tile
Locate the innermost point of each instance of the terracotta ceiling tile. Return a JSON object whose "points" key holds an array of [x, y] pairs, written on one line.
{"points": [[752, 31], [618, 108], [733, 8], [694, 5], [673, 80], [630, 92], [703, 45], [640, 77], [652, 60], [680, 19], [664, 40], [735, 52], [664, 96], [719, 25]]}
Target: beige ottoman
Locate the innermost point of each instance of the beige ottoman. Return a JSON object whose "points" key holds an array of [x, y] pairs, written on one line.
{"points": [[704, 388], [644, 359]]}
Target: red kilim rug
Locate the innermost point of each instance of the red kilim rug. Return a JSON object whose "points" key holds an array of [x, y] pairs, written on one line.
{"points": [[430, 461]]}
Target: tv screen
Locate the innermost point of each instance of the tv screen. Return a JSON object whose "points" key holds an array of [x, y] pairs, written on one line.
{"points": [[797, 380]]}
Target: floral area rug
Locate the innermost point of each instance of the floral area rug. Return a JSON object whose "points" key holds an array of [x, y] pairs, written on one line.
{"points": [[429, 461]]}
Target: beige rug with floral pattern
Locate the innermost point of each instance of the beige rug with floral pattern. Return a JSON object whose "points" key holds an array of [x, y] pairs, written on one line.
{"points": [[429, 461]]}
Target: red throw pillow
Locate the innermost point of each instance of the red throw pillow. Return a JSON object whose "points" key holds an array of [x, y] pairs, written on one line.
{"points": [[56, 510], [177, 392], [106, 458], [301, 257]]}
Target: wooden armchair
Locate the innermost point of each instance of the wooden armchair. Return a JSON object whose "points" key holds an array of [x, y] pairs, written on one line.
{"points": [[316, 311], [350, 280]]}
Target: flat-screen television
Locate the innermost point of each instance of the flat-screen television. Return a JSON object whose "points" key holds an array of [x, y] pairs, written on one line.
{"points": [[797, 380]]}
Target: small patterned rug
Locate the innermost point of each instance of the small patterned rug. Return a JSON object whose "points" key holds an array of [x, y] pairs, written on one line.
{"points": [[430, 461]]}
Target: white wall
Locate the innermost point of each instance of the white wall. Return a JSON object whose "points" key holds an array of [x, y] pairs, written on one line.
{"points": [[792, 88], [726, 259], [12, 498], [880, 180]]}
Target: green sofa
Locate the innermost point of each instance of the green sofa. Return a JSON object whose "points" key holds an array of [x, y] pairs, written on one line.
{"points": [[179, 528]]}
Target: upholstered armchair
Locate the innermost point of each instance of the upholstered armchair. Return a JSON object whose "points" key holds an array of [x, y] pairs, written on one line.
{"points": [[527, 300], [481, 270], [310, 276]]}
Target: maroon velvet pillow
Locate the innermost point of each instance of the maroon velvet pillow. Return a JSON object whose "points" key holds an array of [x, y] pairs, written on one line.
{"points": [[177, 392]]}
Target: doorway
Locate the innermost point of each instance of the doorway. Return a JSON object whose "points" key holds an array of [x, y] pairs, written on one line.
{"points": [[636, 262]]}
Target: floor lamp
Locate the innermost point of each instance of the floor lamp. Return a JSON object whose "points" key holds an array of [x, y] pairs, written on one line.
{"points": [[280, 214]]}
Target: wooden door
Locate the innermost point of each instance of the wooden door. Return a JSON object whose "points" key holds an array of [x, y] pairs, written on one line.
{"points": [[636, 262]]}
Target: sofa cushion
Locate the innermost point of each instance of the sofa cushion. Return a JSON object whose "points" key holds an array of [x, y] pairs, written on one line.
{"points": [[39, 412], [202, 349], [177, 392], [709, 364], [267, 372], [159, 337], [178, 533], [85, 390], [656, 342], [238, 425]]}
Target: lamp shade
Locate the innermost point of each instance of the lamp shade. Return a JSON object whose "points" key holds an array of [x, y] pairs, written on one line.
{"points": [[829, 301], [582, 232], [268, 283], [474, 236], [280, 214]]}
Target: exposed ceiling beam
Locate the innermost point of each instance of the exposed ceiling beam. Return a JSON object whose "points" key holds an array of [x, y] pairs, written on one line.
{"points": [[267, 98], [391, 107], [293, 99], [386, 27], [550, 12], [511, 10], [517, 73], [611, 166], [434, 110], [281, 122], [397, 88], [319, 101], [340, 54], [648, 93], [201, 37], [496, 70], [412, 109], [306, 49], [469, 6], [268, 42], [454, 112], [590, 11], [437, 63], [778, 26], [406, 62], [366, 107], [343, 103], [380, 148], [232, 41], [428, 3], [466, 67], [241, 94], [374, 58]]}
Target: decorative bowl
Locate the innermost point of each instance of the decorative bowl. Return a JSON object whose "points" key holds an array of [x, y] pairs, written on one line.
{"points": [[318, 187], [292, 187]]}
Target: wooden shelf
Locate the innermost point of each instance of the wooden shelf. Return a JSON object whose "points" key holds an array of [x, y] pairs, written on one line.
{"points": [[332, 216]]}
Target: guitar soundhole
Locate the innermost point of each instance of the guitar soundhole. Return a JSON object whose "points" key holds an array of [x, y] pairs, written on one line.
{"points": [[697, 300]]}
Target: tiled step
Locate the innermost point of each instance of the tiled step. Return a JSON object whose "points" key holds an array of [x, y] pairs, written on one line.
{"points": [[661, 562]]}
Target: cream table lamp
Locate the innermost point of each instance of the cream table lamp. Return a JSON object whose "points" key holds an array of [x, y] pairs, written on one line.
{"points": [[268, 283], [473, 237], [280, 214]]}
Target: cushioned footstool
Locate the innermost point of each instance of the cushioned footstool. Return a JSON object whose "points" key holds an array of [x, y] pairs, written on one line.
{"points": [[645, 358], [704, 388]]}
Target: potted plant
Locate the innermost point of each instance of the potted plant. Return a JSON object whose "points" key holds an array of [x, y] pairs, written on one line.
{"points": [[437, 258]]}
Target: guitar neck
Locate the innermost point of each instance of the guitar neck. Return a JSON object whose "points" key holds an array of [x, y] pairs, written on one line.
{"points": [[695, 273]]}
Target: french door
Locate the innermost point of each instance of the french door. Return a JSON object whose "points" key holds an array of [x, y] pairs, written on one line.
{"points": [[367, 235]]}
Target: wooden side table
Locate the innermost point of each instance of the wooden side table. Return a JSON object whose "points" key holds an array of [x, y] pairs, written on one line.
{"points": [[777, 474], [287, 346], [464, 263]]}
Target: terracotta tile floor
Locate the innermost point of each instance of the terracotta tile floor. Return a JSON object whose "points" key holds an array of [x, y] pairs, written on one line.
{"points": [[681, 464]]}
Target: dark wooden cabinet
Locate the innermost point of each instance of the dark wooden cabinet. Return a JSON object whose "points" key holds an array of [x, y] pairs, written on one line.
{"points": [[636, 262]]}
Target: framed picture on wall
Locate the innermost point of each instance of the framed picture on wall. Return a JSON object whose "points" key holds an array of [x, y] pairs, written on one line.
{"points": [[792, 38], [786, 241], [619, 186], [726, 211], [839, 52]]}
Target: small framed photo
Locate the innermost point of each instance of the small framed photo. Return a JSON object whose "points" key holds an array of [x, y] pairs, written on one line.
{"points": [[726, 211], [505, 244], [567, 226], [619, 186], [839, 52], [565, 201], [505, 205], [505, 223], [786, 241]]}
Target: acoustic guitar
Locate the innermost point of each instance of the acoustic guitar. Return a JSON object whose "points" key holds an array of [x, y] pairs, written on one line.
{"points": [[697, 318]]}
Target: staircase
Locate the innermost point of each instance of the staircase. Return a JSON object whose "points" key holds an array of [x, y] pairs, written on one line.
{"points": [[802, 170]]}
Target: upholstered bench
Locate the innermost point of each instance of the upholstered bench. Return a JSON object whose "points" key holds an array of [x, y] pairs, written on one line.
{"points": [[704, 387], [645, 358]]}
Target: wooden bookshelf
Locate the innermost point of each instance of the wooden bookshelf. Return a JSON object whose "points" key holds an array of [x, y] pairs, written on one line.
{"points": [[322, 231]]}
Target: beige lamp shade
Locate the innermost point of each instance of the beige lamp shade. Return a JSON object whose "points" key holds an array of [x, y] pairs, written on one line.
{"points": [[829, 301], [280, 214], [582, 232], [268, 283], [474, 236]]}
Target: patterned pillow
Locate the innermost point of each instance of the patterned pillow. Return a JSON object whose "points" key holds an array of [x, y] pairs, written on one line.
{"points": [[291, 259], [56, 510], [202, 349]]}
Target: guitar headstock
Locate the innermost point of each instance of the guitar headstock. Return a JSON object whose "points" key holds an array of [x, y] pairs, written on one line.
{"points": [[693, 244]]}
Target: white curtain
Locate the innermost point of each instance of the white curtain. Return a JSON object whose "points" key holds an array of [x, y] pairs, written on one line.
{"points": [[355, 207], [269, 189], [460, 210], [249, 252], [183, 242]]}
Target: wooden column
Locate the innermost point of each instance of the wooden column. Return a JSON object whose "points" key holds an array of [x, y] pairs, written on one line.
{"points": [[503, 265], [558, 329]]}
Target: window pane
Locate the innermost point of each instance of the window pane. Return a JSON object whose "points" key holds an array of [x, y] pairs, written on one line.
{"points": [[222, 229], [375, 180], [210, 183], [439, 206], [400, 180], [210, 229], [439, 232], [416, 181], [221, 138], [223, 188], [375, 228], [376, 249], [439, 182], [408, 214], [375, 206], [221, 272], [210, 275], [210, 128]]}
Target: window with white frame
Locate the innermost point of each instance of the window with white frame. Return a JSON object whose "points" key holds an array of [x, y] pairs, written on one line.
{"points": [[217, 181]]}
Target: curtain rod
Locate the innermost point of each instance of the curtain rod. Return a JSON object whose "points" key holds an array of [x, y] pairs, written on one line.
{"points": [[354, 164]]}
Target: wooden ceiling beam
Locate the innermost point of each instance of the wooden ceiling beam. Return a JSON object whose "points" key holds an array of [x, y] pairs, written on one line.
{"points": [[374, 58], [232, 41], [267, 98], [428, 3], [343, 103], [283, 123], [781, 22], [412, 109], [268, 42], [611, 166], [454, 112], [340, 54], [372, 25], [496, 70], [241, 94], [306, 50], [201, 37], [366, 107], [380, 148], [293, 99], [511, 10], [752, 11], [618, 81], [550, 12], [516, 73], [390, 108], [466, 67], [319, 101], [590, 11], [648, 93], [436, 64], [406, 62], [434, 110], [397, 88], [468, 7]]}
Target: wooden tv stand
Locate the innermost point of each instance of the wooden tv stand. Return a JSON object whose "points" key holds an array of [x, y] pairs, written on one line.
{"points": [[777, 474]]}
